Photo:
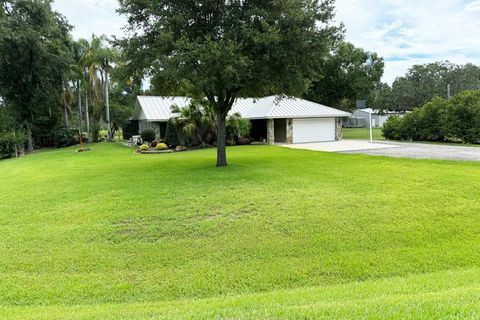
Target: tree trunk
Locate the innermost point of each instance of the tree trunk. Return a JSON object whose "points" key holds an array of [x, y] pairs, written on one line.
{"points": [[107, 107], [87, 115], [199, 136], [29, 137], [16, 145], [221, 137], [80, 116], [65, 113]]}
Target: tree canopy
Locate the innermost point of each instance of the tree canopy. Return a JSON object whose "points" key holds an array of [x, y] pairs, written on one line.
{"points": [[222, 50], [423, 82], [348, 74], [34, 56]]}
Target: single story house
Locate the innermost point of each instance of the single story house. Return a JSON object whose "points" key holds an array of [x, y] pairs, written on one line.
{"points": [[360, 118], [274, 119]]}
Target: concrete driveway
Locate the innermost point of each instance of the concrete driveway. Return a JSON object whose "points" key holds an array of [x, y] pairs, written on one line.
{"points": [[396, 149], [425, 151], [340, 146]]}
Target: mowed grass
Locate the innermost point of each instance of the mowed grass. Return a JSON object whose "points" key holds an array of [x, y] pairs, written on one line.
{"points": [[280, 233], [362, 133]]}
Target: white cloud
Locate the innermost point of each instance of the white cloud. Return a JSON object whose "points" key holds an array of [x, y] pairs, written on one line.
{"points": [[92, 16], [404, 32], [407, 32]]}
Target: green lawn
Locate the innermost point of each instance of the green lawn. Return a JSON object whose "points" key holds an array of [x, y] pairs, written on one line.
{"points": [[362, 133], [279, 234]]}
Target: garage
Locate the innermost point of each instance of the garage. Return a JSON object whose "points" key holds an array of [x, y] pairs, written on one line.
{"points": [[313, 130]]}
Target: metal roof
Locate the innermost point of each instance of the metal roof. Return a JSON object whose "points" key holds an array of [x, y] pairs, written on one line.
{"points": [[374, 111], [273, 107], [158, 108]]}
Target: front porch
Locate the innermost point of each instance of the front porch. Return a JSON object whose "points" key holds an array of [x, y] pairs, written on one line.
{"points": [[272, 130]]}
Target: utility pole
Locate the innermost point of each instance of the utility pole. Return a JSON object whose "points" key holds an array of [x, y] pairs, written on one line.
{"points": [[80, 116], [448, 91], [371, 129]]}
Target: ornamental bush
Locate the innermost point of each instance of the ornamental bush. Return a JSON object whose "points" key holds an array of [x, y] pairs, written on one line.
{"points": [[148, 135], [161, 146], [144, 147]]}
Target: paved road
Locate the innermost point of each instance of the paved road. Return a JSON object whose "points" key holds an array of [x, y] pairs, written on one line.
{"points": [[423, 151]]}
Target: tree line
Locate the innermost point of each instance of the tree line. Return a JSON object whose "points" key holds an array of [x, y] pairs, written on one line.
{"points": [[55, 90], [454, 120], [421, 83]]}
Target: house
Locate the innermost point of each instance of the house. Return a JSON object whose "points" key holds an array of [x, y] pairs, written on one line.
{"points": [[360, 118], [274, 119]]}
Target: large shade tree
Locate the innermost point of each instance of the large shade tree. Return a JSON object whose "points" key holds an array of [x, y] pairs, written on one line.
{"points": [[34, 56], [225, 49], [348, 74]]}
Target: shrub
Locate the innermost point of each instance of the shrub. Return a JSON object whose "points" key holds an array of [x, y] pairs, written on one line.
{"points": [[462, 120], [65, 137], [161, 146], [9, 143], [457, 119], [172, 134], [103, 133], [148, 135], [95, 133], [203, 146], [237, 128], [244, 141], [154, 144], [393, 129], [144, 147], [430, 120]]}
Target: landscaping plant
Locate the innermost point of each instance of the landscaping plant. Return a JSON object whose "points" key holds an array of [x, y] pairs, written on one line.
{"points": [[148, 135], [456, 120]]}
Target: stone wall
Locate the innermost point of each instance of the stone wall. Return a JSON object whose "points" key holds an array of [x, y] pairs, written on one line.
{"points": [[270, 131], [338, 129], [289, 131]]}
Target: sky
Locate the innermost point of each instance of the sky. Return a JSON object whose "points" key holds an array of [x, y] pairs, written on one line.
{"points": [[403, 32]]}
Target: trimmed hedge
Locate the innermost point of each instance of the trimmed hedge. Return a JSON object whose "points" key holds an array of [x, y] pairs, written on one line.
{"points": [[148, 135]]}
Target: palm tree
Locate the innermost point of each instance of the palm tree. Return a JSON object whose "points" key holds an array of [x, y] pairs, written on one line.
{"points": [[193, 117], [97, 61], [78, 48], [65, 99]]}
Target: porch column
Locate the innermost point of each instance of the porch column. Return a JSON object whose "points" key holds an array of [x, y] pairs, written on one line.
{"points": [[289, 139], [270, 131], [338, 129]]}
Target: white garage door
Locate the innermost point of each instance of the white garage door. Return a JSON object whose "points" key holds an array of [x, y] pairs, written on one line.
{"points": [[313, 130]]}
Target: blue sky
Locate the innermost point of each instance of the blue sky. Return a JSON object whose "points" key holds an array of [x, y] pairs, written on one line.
{"points": [[404, 32]]}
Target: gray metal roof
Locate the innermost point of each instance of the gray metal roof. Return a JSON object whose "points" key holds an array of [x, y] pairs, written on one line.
{"points": [[159, 108]]}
